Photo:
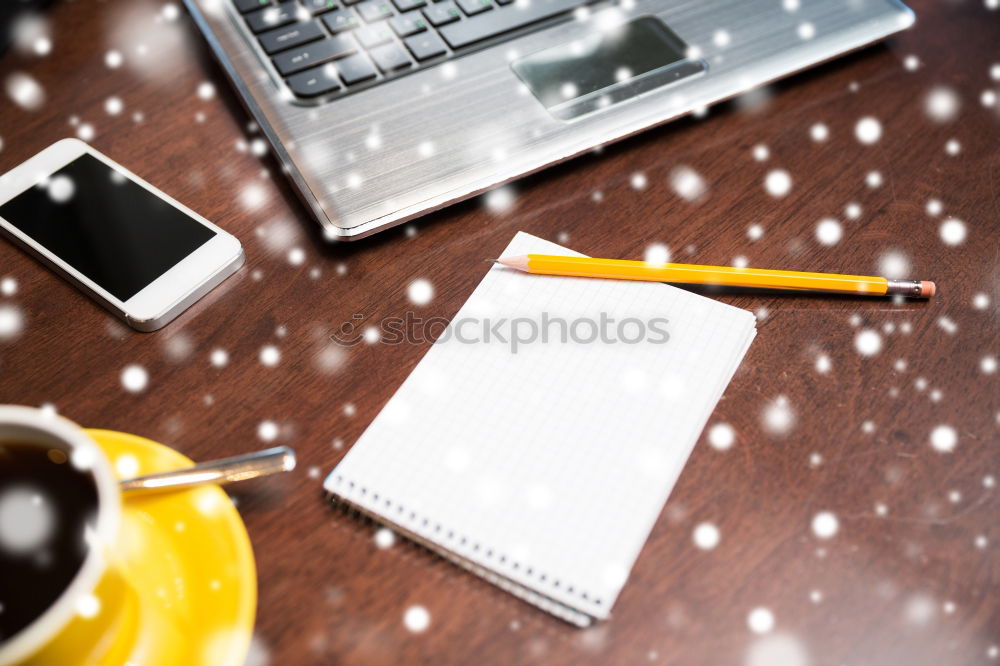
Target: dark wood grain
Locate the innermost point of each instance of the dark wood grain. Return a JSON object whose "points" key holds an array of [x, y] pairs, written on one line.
{"points": [[917, 585]]}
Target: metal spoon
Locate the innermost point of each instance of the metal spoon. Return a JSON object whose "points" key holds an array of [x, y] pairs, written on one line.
{"points": [[224, 470]]}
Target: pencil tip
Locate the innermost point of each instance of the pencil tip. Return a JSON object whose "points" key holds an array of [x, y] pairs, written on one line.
{"points": [[492, 261]]}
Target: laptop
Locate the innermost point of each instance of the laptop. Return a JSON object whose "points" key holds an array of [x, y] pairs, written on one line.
{"points": [[384, 110]]}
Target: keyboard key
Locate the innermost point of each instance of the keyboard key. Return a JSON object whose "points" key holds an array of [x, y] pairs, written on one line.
{"points": [[407, 5], [425, 46], [375, 10], [492, 24], [408, 24], [471, 7], [315, 81], [373, 35], [341, 20], [272, 17], [293, 35], [319, 6], [355, 69], [313, 54], [249, 5], [390, 57], [441, 13]]}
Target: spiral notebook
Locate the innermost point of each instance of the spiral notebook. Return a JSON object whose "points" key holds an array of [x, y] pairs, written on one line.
{"points": [[542, 466]]}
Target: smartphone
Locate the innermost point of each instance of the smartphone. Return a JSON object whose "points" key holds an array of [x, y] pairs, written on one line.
{"points": [[127, 245]]}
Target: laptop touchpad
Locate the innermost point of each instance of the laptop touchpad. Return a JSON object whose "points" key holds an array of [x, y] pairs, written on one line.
{"points": [[607, 67]]}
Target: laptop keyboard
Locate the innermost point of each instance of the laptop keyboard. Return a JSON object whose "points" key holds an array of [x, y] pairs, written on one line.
{"points": [[328, 48]]}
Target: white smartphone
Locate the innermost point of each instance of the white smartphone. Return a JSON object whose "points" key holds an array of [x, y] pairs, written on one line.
{"points": [[126, 244]]}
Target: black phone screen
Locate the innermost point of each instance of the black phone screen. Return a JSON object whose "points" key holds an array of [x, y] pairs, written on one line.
{"points": [[110, 229]]}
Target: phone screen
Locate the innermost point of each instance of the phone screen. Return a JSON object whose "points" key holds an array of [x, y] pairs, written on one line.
{"points": [[110, 229]]}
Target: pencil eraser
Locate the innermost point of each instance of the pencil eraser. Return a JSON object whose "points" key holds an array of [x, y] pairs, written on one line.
{"points": [[927, 289]]}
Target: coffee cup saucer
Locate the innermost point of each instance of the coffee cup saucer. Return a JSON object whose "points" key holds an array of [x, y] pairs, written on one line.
{"points": [[187, 556]]}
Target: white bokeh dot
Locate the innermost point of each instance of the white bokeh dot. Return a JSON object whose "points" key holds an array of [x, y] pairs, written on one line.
{"points": [[819, 132], [657, 254], [61, 189], [134, 378], [868, 342], [778, 183], [868, 130], [113, 59], [825, 524], [416, 619], [27, 520], [127, 466], [11, 322], [113, 106], [942, 104], [823, 364], [706, 536], [8, 286], [894, 265], [721, 436], [270, 356], [778, 416], [384, 538], [944, 438], [953, 231], [219, 358], [83, 457], [688, 183], [88, 606], [420, 291], [760, 620], [267, 431], [85, 131], [500, 200], [829, 231], [988, 365]]}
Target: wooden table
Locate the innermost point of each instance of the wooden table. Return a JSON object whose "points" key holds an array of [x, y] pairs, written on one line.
{"points": [[833, 410]]}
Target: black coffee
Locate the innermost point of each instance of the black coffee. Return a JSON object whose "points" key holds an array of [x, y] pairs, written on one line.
{"points": [[45, 505]]}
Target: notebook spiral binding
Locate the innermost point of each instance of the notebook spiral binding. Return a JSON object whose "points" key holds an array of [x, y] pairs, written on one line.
{"points": [[361, 514]]}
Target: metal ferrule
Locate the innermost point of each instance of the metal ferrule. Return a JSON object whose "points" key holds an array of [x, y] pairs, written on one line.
{"points": [[904, 288]]}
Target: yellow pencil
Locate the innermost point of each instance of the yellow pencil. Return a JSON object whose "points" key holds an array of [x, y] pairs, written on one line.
{"points": [[759, 278]]}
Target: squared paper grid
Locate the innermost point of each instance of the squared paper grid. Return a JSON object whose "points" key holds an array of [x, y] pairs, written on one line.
{"points": [[549, 466]]}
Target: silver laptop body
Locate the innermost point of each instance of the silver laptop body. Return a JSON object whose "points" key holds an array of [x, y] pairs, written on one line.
{"points": [[407, 141]]}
